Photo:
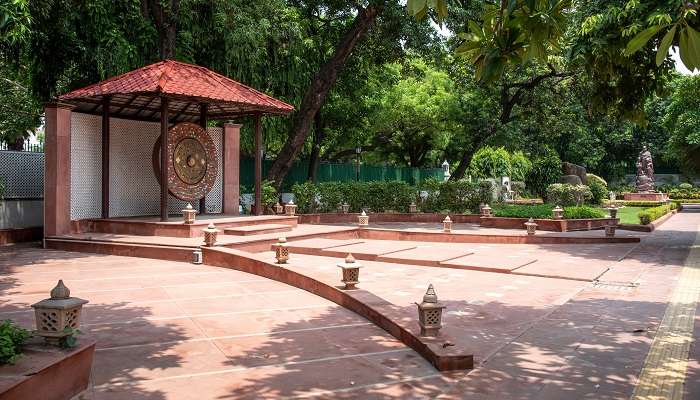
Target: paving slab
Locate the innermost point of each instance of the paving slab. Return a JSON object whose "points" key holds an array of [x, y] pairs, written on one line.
{"points": [[369, 249], [483, 261], [426, 255]]}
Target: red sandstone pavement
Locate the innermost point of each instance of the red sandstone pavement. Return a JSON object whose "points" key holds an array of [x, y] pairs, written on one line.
{"points": [[169, 330]]}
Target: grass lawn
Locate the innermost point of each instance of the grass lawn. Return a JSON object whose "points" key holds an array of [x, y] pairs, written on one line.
{"points": [[628, 215]]}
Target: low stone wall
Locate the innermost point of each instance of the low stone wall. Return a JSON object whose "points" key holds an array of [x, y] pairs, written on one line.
{"points": [[21, 213], [351, 218], [563, 225], [48, 373], [19, 235], [555, 225]]}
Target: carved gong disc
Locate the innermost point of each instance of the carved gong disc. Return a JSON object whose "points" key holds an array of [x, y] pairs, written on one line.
{"points": [[192, 161]]}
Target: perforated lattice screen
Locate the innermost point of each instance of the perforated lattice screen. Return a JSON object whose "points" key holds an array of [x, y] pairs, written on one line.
{"points": [[23, 174], [134, 189], [85, 166]]}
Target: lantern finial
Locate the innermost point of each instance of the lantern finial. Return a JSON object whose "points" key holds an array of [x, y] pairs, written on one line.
{"points": [[60, 291], [349, 259], [430, 296]]}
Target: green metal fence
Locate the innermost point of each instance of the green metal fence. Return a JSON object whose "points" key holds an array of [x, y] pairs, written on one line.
{"points": [[340, 173]]}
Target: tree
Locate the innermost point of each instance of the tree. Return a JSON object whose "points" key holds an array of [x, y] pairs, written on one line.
{"points": [[318, 90], [683, 120], [415, 117]]}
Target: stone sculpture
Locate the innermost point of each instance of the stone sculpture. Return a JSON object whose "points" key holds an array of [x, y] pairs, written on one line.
{"points": [[645, 172]]}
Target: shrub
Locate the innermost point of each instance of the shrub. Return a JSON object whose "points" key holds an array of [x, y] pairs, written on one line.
{"points": [[544, 211], [523, 211], [304, 196], [649, 215], [583, 212], [564, 194], [330, 195], [455, 196], [376, 196], [518, 188], [269, 193], [546, 168], [599, 188], [489, 162], [594, 177], [12, 338], [685, 186], [520, 166]]}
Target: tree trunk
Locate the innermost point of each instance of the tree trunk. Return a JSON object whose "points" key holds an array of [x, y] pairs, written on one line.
{"points": [[318, 90], [315, 156], [165, 19], [469, 153]]}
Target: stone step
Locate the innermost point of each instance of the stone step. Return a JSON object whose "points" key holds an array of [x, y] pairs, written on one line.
{"points": [[259, 229]]}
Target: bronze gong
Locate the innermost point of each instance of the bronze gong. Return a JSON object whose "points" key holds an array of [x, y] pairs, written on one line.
{"points": [[192, 161]]}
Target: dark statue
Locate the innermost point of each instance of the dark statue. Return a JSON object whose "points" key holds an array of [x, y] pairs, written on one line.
{"points": [[645, 172]]}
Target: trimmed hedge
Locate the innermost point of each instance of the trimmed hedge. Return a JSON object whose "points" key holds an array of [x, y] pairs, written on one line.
{"points": [[380, 196], [630, 203], [583, 212], [455, 196], [544, 211], [376, 196], [649, 215]]}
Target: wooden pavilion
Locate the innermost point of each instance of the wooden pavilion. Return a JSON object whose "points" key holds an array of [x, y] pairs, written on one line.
{"points": [[167, 92]]}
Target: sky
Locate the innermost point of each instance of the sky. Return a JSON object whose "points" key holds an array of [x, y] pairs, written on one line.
{"points": [[679, 64]]}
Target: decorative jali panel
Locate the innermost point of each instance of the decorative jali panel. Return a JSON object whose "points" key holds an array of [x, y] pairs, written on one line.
{"points": [[134, 189], [85, 166], [23, 174]]}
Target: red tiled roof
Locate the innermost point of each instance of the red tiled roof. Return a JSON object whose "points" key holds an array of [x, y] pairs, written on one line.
{"points": [[177, 79]]}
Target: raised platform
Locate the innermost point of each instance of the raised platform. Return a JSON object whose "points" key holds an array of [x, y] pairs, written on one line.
{"points": [[153, 226], [260, 229], [646, 196]]}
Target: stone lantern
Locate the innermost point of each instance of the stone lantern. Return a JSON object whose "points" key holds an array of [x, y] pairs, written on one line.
{"points": [[610, 230], [363, 220], [531, 226], [446, 170], [351, 272], [279, 208], [210, 233], [188, 214], [290, 208], [412, 208], [486, 211], [345, 207], [281, 251], [430, 313], [612, 211], [57, 313], [197, 257], [557, 212], [447, 224]]}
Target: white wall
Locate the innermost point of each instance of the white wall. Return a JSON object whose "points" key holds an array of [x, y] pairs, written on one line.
{"points": [[134, 189]]}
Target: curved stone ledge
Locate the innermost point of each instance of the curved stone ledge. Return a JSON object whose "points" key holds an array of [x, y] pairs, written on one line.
{"points": [[438, 351]]}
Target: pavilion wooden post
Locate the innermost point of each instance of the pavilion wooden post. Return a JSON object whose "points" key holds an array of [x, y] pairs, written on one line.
{"points": [[105, 156], [230, 167], [164, 158], [203, 120], [258, 164]]}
